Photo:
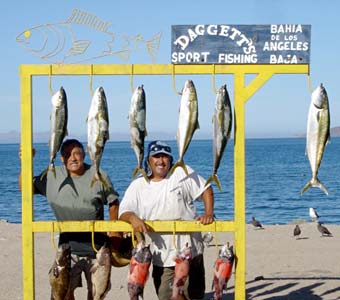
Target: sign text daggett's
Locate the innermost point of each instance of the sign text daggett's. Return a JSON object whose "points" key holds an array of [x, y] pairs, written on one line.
{"points": [[240, 44]]}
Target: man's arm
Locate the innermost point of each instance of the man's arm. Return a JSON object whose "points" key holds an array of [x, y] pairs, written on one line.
{"points": [[137, 224], [208, 200]]}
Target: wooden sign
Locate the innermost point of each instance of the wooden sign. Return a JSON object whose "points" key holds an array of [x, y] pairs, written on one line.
{"points": [[240, 44]]}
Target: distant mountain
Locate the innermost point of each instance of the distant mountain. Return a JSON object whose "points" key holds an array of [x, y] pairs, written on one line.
{"points": [[335, 132]]}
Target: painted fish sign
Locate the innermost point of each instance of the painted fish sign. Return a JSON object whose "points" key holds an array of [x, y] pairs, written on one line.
{"points": [[240, 44]]}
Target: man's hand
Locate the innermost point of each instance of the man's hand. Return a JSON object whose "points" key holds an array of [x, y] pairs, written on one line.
{"points": [[205, 219]]}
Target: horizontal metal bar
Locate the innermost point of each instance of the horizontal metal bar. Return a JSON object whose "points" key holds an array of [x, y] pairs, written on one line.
{"points": [[120, 226], [159, 69]]}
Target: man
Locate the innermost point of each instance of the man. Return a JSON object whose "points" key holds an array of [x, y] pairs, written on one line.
{"points": [[71, 197], [169, 197]]}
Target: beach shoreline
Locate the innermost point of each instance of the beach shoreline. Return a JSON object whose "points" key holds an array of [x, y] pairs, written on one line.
{"points": [[278, 266]]}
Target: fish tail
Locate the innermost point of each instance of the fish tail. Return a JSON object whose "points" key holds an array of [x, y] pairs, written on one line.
{"points": [[44, 173], [214, 178], [142, 172], [181, 164], [51, 167], [99, 177], [314, 182]]}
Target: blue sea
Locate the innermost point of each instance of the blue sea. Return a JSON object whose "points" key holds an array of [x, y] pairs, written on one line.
{"points": [[276, 170]]}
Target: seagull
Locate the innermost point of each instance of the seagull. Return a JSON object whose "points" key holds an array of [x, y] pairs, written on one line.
{"points": [[207, 238], [297, 231], [256, 223], [324, 231], [313, 214]]}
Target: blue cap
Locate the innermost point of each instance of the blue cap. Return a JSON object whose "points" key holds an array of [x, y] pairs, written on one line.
{"points": [[157, 147]]}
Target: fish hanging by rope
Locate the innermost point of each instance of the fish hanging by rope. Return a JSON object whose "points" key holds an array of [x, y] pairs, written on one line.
{"points": [[187, 122], [59, 274], [223, 267], [137, 120], [97, 132], [101, 273], [83, 37], [182, 266], [222, 121], [58, 126], [318, 135], [139, 270]]}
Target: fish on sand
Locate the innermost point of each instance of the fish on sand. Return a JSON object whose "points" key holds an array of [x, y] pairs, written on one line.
{"points": [[187, 122], [318, 135]]}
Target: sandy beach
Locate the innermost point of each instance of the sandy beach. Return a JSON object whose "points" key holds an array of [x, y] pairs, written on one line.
{"points": [[285, 268]]}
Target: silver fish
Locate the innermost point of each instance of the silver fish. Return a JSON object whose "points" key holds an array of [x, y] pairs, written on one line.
{"points": [[72, 40], [137, 120], [97, 131], [222, 121], [59, 274], [58, 126], [187, 122], [101, 273], [318, 135], [139, 270]]}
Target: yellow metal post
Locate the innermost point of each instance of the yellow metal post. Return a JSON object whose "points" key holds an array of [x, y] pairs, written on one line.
{"points": [[27, 192]]}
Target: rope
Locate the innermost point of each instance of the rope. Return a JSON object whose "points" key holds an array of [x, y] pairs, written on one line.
{"points": [[308, 84], [92, 237], [50, 81], [91, 80], [173, 80], [213, 80], [215, 238], [52, 238], [131, 79], [174, 235]]}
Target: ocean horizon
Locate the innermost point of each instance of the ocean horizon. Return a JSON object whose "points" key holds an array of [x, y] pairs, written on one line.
{"points": [[276, 171]]}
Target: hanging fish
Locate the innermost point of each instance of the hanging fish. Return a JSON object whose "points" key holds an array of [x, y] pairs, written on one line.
{"points": [[58, 126], [318, 135], [182, 267], [139, 270], [137, 120], [101, 273], [97, 132], [187, 122], [59, 274], [222, 121], [223, 268]]}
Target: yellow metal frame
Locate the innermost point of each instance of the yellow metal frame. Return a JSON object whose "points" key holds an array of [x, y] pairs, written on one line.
{"points": [[241, 94]]}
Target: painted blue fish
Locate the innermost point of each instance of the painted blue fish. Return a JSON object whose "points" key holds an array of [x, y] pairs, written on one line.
{"points": [[60, 43]]}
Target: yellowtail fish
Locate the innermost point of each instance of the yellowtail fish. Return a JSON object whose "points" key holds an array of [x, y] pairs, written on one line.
{"points": [[187, 122], [59, 274], [137, 120], [222, 121], [83, 37], [100, 273], [58, 126], [97, 132], [318, 135]]}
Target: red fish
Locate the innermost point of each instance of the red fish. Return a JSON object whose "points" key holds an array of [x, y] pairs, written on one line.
{"points": [[223, 268], [139, 270], [182, 266]]}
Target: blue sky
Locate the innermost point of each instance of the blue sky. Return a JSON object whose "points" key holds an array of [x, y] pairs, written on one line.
{"points": [[278, 109]]}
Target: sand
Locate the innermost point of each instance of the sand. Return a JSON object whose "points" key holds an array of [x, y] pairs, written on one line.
{"points": [[306, 268]]}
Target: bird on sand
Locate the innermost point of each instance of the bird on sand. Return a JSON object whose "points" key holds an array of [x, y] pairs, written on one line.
{"points": [[313, 214], [297, 231], [256, 223], [323, 230]]}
